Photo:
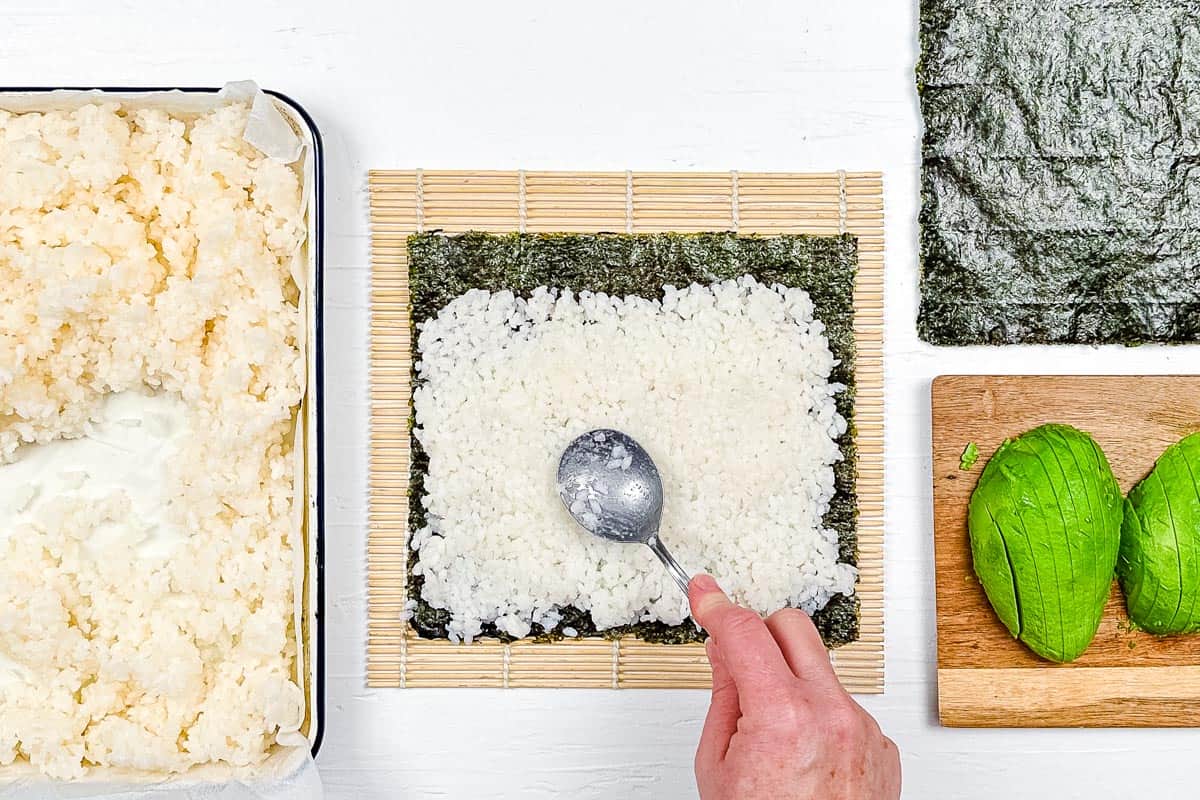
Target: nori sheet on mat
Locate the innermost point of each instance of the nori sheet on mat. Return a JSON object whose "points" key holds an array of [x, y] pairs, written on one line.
{"points": [[443, 267], [1060, 200]]}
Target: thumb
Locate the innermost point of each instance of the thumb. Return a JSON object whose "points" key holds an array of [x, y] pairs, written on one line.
{"points": [[748, 650]]}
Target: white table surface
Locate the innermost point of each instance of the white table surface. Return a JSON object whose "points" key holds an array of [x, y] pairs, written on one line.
{"points": [[679, 85]]}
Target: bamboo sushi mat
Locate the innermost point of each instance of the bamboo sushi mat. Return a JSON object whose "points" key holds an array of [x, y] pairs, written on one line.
{"points": [[634, 202]]}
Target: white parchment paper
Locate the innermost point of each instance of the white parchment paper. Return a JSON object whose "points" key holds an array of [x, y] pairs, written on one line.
{"points": [[297, 778]]}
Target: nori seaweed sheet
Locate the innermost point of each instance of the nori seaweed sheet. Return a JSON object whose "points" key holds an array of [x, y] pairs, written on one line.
{"points": [[1060, 200], [444, 267]]}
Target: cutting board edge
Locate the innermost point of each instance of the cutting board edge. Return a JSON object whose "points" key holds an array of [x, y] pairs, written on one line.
{"points": [[1102, 697]]}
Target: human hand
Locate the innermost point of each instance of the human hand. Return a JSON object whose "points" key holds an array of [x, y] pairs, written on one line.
{"points": [[780, 725]]}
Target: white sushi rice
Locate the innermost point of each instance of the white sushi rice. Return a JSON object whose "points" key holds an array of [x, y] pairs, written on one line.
{"points": [[727, 386]]}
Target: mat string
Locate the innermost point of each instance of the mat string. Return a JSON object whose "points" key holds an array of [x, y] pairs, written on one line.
{"points": [[420, 201], [404, 661], [734, 200], [842, 201], [629, 201], [616, 663]]}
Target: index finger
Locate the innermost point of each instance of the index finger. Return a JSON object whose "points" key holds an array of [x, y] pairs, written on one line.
{"points": [[748, 649]]}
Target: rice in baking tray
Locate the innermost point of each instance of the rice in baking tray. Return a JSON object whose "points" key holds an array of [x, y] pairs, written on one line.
{"points": [[730, 377], [154, 372]]}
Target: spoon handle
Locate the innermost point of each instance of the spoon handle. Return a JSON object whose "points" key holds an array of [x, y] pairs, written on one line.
{"points": [[664, 555]]}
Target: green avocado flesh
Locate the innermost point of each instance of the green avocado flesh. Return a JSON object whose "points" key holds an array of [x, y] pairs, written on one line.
{"points": [[1159, 564], [970, 455], [1045, 525]]}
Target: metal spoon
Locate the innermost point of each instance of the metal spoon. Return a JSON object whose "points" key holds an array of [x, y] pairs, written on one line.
{"points": [[611, 487]]}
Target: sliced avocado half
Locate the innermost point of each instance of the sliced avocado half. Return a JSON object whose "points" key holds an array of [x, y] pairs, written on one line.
{"points": [[1159, 564], [1045, 529]]}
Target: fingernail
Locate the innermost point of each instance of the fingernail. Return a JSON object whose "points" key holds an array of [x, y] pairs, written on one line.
{"points": [[705, 583]]}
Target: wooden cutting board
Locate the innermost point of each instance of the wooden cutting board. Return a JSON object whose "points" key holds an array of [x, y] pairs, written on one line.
{"points": [[985, 677]]}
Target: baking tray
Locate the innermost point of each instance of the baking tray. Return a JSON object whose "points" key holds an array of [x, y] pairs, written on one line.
{"points": [[312, 635]]}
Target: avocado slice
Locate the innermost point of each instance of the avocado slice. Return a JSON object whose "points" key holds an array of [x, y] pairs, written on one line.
{"points": [[1159, 564], [1045, 529]]}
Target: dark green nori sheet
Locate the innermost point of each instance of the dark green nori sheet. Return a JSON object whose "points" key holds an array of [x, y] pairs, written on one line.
{"points": [[1060, 200], [444, 267]]}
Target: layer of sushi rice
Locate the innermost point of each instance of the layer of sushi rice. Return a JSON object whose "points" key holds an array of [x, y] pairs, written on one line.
{"points": [[728, 385]]}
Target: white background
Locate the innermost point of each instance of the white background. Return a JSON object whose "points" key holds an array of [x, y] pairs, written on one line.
{"points": [[789, 85]]}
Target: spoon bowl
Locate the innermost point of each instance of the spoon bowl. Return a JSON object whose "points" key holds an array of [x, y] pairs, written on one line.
{"points": [[612, 488]]}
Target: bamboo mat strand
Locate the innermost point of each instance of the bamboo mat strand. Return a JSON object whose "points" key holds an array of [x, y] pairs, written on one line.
{"points": [[592, 202]]}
